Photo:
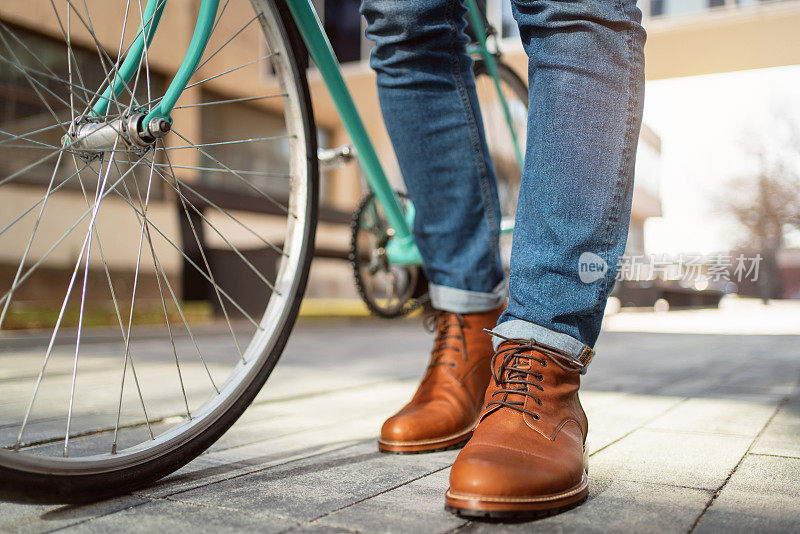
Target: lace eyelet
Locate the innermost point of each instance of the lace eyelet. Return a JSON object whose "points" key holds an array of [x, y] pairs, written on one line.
{"points": [[536, 416], [544, 364]]}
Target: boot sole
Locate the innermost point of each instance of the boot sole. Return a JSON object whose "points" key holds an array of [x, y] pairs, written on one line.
{"points": [[484, 506], [488, 507], [420, 447]]}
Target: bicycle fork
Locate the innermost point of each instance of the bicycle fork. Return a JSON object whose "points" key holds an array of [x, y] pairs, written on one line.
{"points": [[91, 136]]}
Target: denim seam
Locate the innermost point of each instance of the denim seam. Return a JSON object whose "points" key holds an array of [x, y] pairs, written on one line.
{"points": [[483, 179], [625, 159]]}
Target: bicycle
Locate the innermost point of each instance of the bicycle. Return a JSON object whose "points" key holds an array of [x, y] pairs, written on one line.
{"points": [[90, 128]]}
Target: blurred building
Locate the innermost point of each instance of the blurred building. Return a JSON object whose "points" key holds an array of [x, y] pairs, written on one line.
{"points": [[686, 37]]}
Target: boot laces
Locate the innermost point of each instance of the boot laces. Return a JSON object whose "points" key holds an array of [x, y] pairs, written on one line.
{"points": [[515, 373], [446, 331]]}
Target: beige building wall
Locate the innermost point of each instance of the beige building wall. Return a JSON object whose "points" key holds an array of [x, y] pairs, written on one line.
{"points": [[735, 39]]}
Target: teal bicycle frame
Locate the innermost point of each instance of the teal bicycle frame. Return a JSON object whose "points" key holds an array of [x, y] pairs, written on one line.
{"points": [[401, 248]]}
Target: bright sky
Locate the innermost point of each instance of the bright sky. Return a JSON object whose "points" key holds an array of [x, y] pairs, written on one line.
{"points": [[705, 123]]}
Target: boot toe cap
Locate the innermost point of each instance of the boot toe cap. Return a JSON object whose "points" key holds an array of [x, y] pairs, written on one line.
{"points": [[493, 471], [421, 424]]}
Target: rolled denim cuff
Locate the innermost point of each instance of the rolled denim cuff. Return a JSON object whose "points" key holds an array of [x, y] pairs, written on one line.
{"points": [[464, 301], [518, 329]]}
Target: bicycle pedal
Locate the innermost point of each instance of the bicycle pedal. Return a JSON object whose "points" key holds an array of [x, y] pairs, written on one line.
{"points": [[333, 158]]}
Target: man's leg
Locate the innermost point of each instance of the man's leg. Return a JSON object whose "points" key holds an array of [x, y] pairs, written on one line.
{"points": [[430, 107], [586, 88]]}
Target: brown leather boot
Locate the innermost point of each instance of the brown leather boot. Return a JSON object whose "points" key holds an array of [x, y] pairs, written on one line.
{"points": [[527, 454], [443, 412]]}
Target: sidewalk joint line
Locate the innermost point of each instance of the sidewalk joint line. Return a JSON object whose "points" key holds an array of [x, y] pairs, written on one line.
{"points": [[717, 493], [775, 455], [640, 427], [143, 493], [326, 514]]}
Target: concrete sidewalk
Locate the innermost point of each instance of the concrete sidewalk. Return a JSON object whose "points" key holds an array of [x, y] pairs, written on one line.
{"points": [[688, 433]]}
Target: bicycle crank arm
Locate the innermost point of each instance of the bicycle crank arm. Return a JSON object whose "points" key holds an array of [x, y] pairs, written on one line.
{"points": [[333, 158]]}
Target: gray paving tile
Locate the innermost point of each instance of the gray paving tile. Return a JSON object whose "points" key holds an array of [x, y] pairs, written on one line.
{"points": [[313, 528], [203, 472], [317, 425], [264, 421], [782, 435], [664, 457], [412, 508], [24, 519], [774, 373], [622, 414], [316, 486], [740, 416], [183, 518], [761, 496], [616, 506], [297, 455]]}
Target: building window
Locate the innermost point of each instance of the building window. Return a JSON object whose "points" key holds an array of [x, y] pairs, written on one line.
{"points": [[716, 3], [264, 161], [23, 110], [343, 27], [656, 8]]}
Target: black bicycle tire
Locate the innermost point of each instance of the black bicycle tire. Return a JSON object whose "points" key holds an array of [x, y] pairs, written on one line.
{"points": [[507, 74], [53, 488], [511, 79]]}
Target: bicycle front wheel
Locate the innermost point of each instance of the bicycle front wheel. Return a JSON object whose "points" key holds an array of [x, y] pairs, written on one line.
{"points": [[146, 292]]}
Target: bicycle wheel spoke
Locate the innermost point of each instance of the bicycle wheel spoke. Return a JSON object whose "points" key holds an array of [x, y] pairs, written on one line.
{"points": [[235, 172], [29, 167], [30, 70], [34, 83], [130, 319], [231, 101], [156, 266], [211, 203], [237, 142], [114, 300], [234, 36], [159, 269], [67, 33], [31, 208], [238, 175], [196, 267], [101, 53], [105, 60], [88, 240], [203, 255], [234, 69], [15, 137], [50, 345], [200, 270], [236, 250], [219, 16], [30, 239], [61, 238]]}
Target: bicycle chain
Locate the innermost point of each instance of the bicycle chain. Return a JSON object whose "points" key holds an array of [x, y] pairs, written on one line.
{"points": [[353, 257]]}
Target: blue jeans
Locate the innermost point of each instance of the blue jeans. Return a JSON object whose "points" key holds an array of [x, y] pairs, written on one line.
{"points": [[586, 81]]}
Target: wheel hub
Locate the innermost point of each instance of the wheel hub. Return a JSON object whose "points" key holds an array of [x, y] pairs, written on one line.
{"points": [[91, 139]]}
